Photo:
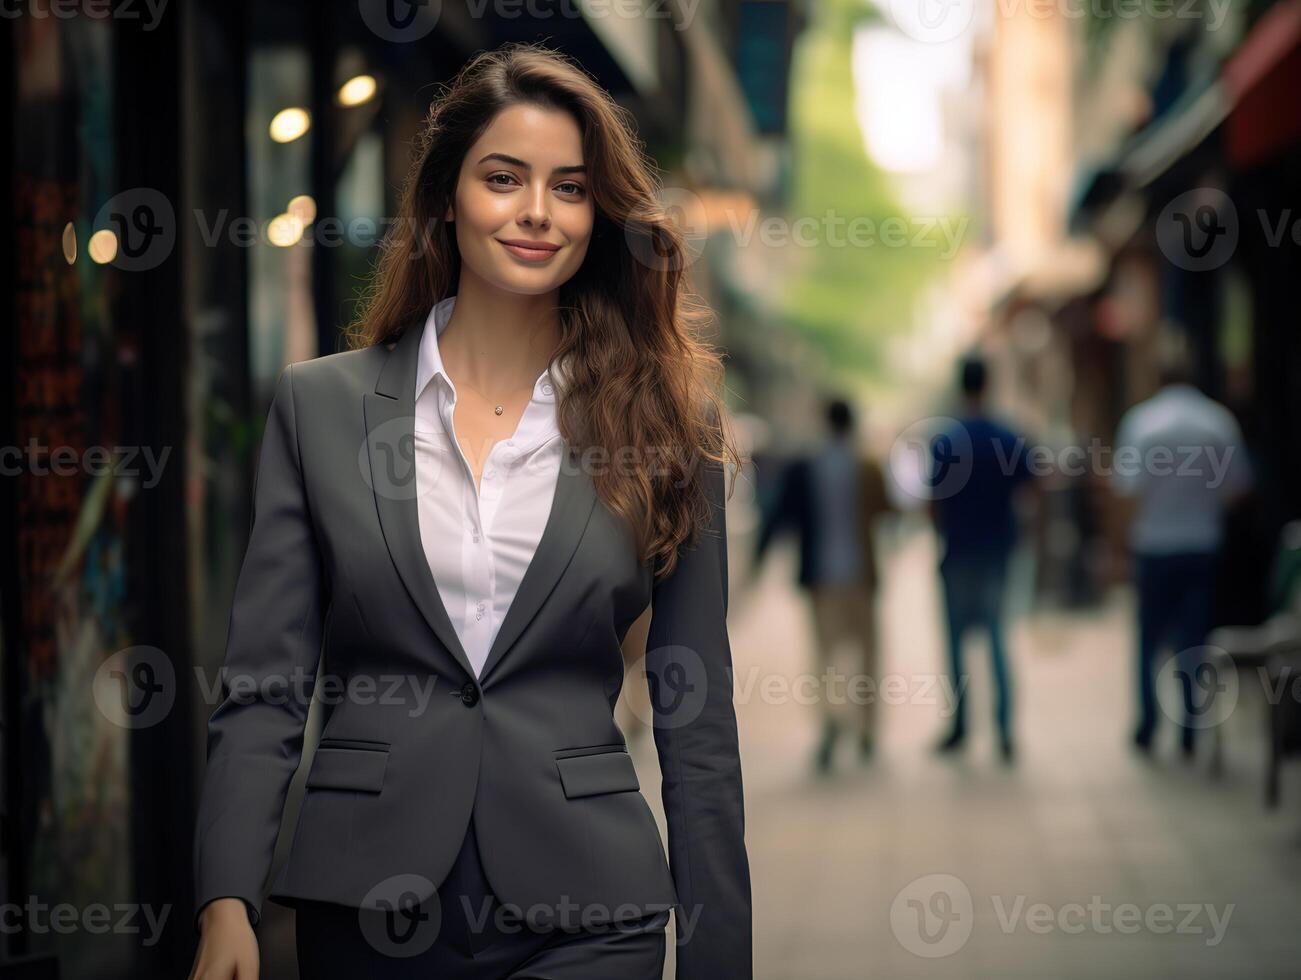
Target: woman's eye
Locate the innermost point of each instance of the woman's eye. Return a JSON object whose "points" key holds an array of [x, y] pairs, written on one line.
{"points": [[508, 180]]}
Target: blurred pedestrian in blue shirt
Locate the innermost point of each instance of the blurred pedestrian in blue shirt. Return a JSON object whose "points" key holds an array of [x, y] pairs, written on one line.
{"points": [[977, 465]]}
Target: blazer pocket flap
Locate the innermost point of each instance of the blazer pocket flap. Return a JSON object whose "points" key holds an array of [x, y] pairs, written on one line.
{"points": [[605, 772], [357, 769]]}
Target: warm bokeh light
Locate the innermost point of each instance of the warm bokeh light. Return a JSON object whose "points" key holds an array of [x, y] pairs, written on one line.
{"points": [[303, 207], [69, 243], [102, 247], [358, 89], [285, 230], [289, 124]]}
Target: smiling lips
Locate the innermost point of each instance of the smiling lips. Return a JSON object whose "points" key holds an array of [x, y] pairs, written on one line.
{"points": [[530, 251]]}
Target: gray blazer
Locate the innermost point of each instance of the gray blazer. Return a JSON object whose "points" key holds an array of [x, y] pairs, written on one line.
{"points": [[335, 575]]}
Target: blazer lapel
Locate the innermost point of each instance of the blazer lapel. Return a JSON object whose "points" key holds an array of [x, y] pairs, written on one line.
{"points": [[390, 445], [390, 442], [571, 509]]}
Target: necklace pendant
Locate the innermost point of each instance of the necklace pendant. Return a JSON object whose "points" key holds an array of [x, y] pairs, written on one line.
{"points": [[498, 409]]}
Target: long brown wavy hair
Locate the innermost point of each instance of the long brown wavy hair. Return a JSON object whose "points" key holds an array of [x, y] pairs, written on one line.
{"points": [[640, 381]]}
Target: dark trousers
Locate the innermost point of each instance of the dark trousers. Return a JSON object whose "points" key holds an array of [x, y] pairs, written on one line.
{"points": [[974, 592], [1176, 598], [466, 934]]}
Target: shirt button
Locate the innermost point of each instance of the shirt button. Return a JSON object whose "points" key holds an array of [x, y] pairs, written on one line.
{"points": [[490, 474], [510, 442], [546, 389]]}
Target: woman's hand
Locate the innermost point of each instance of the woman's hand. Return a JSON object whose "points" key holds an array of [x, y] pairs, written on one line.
{"points": [[227, 945]]}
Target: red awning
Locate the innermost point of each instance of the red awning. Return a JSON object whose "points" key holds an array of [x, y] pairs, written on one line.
{"points": [[1263, 80]]}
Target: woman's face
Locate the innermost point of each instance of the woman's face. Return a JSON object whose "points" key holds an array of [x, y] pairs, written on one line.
{"points": [[523, 182]]}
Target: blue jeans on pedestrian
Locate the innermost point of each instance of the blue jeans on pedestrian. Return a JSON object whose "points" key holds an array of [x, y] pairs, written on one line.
{"points": [[1176, 600], [975, 585]]}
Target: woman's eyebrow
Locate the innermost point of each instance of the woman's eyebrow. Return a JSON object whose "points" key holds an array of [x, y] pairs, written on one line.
{"points": [[580, 169]]}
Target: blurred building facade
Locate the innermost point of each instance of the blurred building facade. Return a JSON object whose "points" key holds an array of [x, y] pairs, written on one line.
{"points": [[1182, 140]]}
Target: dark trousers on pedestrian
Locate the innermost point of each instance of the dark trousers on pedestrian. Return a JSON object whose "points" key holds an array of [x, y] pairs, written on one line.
{"points": [[974, 594], [463, 934], [1176, 600]]}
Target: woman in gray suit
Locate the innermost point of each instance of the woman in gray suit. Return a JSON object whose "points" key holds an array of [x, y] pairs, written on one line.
{"points": [[455, 523]]}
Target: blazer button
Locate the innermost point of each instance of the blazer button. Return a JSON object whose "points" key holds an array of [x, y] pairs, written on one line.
{"points": [[469, 695]]}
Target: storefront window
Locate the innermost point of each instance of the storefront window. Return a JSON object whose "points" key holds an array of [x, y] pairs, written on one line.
{"points": [[71, 506]]}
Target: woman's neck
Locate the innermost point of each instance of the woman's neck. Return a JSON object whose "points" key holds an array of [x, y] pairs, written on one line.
{"points": [[499, 340]]}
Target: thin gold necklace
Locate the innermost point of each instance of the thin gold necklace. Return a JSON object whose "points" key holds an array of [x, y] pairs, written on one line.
{"points": [[497, 409]]}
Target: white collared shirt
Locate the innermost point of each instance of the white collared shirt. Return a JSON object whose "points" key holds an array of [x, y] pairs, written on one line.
{"points": [[480, 542], [1180, 453]]}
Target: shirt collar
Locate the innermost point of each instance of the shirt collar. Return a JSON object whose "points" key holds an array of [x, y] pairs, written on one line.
{"points": [[430, 362]]}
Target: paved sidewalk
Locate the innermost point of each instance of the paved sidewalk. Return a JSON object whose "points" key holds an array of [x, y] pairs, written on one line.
{"points": [[1035, 863]]}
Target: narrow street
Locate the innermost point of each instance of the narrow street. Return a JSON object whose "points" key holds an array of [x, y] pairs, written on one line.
{"points": [[1034, 863]]}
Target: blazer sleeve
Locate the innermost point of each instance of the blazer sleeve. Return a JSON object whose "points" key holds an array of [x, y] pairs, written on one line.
{"points": [[689, 670], [255, 736]]}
